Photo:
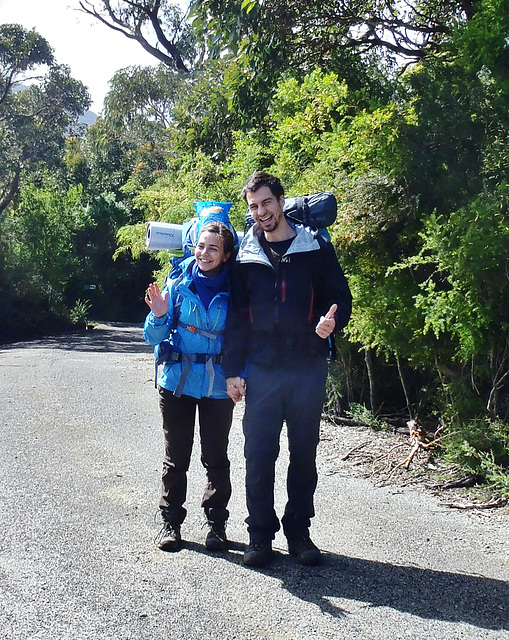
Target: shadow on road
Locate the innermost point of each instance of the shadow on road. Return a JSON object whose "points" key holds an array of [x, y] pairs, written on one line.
{"points": [[111, 337], [437, 595]]}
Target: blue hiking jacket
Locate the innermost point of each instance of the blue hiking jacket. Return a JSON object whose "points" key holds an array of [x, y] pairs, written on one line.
{"points": [[203, 379]]}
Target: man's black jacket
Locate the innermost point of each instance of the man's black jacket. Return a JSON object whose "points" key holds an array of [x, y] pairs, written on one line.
{"points": [[273, 312]]}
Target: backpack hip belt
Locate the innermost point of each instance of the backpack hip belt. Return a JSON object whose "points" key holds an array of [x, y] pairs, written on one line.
{"points": [[209, 360], [203, 358]]}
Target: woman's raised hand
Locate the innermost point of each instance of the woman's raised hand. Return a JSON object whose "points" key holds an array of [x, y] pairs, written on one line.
{"points": [[158, 303]]}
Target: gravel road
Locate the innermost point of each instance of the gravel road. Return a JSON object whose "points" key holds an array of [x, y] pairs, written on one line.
{"points": [[80, 458]]}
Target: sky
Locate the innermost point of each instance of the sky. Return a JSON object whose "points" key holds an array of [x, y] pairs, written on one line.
{"points": [[93, 51]]}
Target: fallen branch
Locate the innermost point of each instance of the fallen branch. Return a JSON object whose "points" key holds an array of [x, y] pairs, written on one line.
{"points": [[418, 439], [459, 483], [494, 503], [349, 453], [344, 422]]}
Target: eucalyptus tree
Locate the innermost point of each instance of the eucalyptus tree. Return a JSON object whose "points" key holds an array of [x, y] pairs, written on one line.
{"points": [[308, 31], [141, 96], [40, 104], [159, 26]]}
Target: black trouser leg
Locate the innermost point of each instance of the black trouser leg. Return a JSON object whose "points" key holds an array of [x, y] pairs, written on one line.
{"points": [[178, 429], [215, 418]]}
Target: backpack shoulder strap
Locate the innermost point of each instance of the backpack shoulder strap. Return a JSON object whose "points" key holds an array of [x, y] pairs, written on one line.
{"points": [[178, 300]]}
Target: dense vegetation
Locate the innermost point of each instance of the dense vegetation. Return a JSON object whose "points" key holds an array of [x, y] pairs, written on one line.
{"points": [[402, 113]]}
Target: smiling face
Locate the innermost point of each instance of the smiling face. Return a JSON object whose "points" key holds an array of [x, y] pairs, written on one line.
{"points": [[210, 254], [266, 209]]}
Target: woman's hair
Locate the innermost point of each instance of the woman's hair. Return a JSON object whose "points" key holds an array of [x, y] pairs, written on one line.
{"points": [[223, 232]]}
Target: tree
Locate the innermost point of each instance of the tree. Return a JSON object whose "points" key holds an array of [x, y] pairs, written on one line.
{"points": [[158, 25], [205, 116], [21, 52], [484, 41], [39, 260], [130, 142], [34, 121], [308, 31], [143, 98]]}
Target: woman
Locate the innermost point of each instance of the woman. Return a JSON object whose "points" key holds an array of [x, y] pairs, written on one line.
{"points": [[192, 310]]}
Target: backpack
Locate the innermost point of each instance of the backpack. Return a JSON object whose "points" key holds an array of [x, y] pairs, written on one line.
{"points": [[165, 351], [207, 211]]}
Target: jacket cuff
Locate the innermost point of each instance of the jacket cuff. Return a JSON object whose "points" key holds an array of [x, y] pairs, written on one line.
{"points": [[157, 321]]}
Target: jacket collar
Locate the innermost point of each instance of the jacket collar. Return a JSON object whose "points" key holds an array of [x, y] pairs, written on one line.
{"points": [[250, 249]]}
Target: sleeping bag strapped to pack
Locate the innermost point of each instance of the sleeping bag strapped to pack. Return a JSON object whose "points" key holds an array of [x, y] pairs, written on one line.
{"points": [[317, 210]]}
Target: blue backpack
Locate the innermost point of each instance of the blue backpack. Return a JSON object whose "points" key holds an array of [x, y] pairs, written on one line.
{"points": [[207, 211]]}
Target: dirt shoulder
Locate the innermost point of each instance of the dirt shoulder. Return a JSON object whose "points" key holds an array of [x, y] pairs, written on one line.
{"points": [[388, 458]]}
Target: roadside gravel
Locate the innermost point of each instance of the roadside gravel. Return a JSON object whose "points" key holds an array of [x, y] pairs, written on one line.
{"points": [[80, 456]]}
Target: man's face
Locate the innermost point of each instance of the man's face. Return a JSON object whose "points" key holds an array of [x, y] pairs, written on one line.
{"points": [[265, 208]]}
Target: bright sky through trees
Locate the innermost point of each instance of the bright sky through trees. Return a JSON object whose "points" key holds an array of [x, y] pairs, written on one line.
{"points": [[93, 51]]}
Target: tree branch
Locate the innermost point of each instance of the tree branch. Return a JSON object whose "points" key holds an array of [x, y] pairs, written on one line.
{"points": [[134, 32]]}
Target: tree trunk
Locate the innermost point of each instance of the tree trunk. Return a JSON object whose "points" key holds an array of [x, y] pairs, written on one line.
{"points": [[368, 359], [403, 384]]}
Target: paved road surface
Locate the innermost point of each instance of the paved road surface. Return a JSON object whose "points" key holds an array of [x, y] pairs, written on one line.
{"points": [[80, 457]]}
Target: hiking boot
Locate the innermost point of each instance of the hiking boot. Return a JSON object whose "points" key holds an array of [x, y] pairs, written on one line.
{"points": [[216, 537], [258, 553], [304, 550], [169, 539]]}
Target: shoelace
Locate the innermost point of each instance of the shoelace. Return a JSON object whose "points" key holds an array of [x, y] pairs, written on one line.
{"points": [[166, 528]]}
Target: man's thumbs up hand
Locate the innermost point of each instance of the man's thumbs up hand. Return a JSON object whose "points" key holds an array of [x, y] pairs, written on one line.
{"points": [[327, 323]]}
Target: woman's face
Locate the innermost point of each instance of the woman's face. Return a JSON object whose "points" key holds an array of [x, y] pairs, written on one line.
{"points": [[209, 253]]}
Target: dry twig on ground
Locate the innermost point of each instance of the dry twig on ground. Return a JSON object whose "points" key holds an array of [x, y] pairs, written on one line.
{"points": [[494, 503]]}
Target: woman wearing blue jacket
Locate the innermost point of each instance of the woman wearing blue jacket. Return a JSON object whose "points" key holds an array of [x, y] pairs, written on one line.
{"points": [[192, 311]]}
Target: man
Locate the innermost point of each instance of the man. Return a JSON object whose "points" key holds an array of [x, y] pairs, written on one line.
{"points": [[288, 294]]}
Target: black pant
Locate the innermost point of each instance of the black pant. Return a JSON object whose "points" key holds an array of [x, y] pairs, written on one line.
{"points": [[294, 395], [215, 418]]}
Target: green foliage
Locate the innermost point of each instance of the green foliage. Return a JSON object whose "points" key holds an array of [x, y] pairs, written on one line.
{"points": [[302, 113], [35, 120], [442, 145], [131, 237], [363, 415], [95, 248], [111, 155], [464, 260], [141, 98], [480, 447], [299, 35], [209, 111], [21, 51], [482, 42], [46, 222], [79, 313], [104, 159], [39, 259]]}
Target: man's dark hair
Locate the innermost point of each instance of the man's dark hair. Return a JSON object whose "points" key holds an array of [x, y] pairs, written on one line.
{"points": [[261, 179]]}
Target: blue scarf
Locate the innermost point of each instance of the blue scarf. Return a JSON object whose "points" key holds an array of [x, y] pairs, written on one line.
{"points": [[206, 287]]}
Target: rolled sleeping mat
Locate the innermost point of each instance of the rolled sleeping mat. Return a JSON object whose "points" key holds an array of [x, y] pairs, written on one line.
{"points": [[163, 235]]}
